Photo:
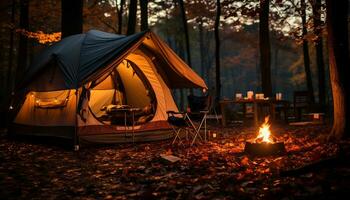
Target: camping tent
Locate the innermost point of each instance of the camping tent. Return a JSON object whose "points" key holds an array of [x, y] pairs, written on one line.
{"points": [[80, 87]]}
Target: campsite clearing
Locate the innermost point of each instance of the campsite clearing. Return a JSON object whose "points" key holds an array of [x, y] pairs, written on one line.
{"points": [[217, 169]]}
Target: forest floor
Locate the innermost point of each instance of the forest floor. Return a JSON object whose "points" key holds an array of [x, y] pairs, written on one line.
{"points": [[214, 170]]}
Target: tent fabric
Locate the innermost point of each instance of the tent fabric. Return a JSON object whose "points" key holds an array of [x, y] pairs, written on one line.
{"points": [[66, 132], [104, 130], [30, 114], [84, 57], [65, 53], [186, 76], [98, 99], [132, 83], [163, 96], [111, 138], [81, 55], [67, 86]]}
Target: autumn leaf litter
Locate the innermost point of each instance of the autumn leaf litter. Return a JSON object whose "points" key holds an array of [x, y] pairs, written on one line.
{"points": [[216, 169]]}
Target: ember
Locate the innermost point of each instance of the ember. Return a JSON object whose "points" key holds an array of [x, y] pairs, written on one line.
{"points": [[263, 145]]}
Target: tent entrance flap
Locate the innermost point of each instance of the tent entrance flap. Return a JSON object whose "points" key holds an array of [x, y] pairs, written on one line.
{"points": [[126, 85]]}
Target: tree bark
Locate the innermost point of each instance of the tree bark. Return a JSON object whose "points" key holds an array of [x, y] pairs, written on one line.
{"points": [[132, 17], [120, 16], [275, 66], [187, 40], [201, 47], [184, 23], [217, 52], [181, 53], [321, 73], [308, 74], [337, 28], [9, 70], [23, 41], [265, 49], [319, 55], [72, 17], [209, 59], [144, 14]]}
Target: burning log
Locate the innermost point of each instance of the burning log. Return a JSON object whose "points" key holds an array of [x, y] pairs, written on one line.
{"points": [[264, 149], [263, 145]]}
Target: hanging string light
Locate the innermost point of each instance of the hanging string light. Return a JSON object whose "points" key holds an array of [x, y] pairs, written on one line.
{"points": [[54, 101]]}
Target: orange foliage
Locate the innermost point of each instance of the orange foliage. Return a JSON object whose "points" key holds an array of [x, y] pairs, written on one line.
{"points": [[41, 37], [245, 161]]}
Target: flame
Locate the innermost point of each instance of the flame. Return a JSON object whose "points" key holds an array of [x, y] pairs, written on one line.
{"points": [[264, 132]]}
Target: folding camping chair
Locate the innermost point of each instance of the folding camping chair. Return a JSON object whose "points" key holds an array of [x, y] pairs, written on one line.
{"points": [[180, 122], [301, 102], [199, 108]]}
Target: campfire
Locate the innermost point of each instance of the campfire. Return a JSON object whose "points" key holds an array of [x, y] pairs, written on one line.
{"points": [[264, 132], [264, 144]]}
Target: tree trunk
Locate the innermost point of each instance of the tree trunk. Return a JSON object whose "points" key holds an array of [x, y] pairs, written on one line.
{"points": [[319, 55], [217, 52], [275, 70], [308, 74], [144, 14], [120, 16], [321, 73], [265, 51], [72, 17], [258, 69], [337, 28], [9, 82], [210, 57], [187, 40], [201, 47], [23, 41], [181, 53], [132, 17], [184, 23]]}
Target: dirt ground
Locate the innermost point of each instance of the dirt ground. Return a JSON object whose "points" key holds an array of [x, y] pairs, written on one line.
{"points": [[218, 169]]}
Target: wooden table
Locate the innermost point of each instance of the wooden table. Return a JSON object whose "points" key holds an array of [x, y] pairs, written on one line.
{"points": [[271, 103]]}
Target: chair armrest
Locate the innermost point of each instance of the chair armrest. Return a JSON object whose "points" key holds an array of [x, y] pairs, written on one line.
{"points": [[173, 112]]}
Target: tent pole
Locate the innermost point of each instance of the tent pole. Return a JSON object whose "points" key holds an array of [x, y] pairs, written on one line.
{"points": [[76, 140]]}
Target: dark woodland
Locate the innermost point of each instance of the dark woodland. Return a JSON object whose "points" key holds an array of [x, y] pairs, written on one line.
{"points": [[174, 99]]}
